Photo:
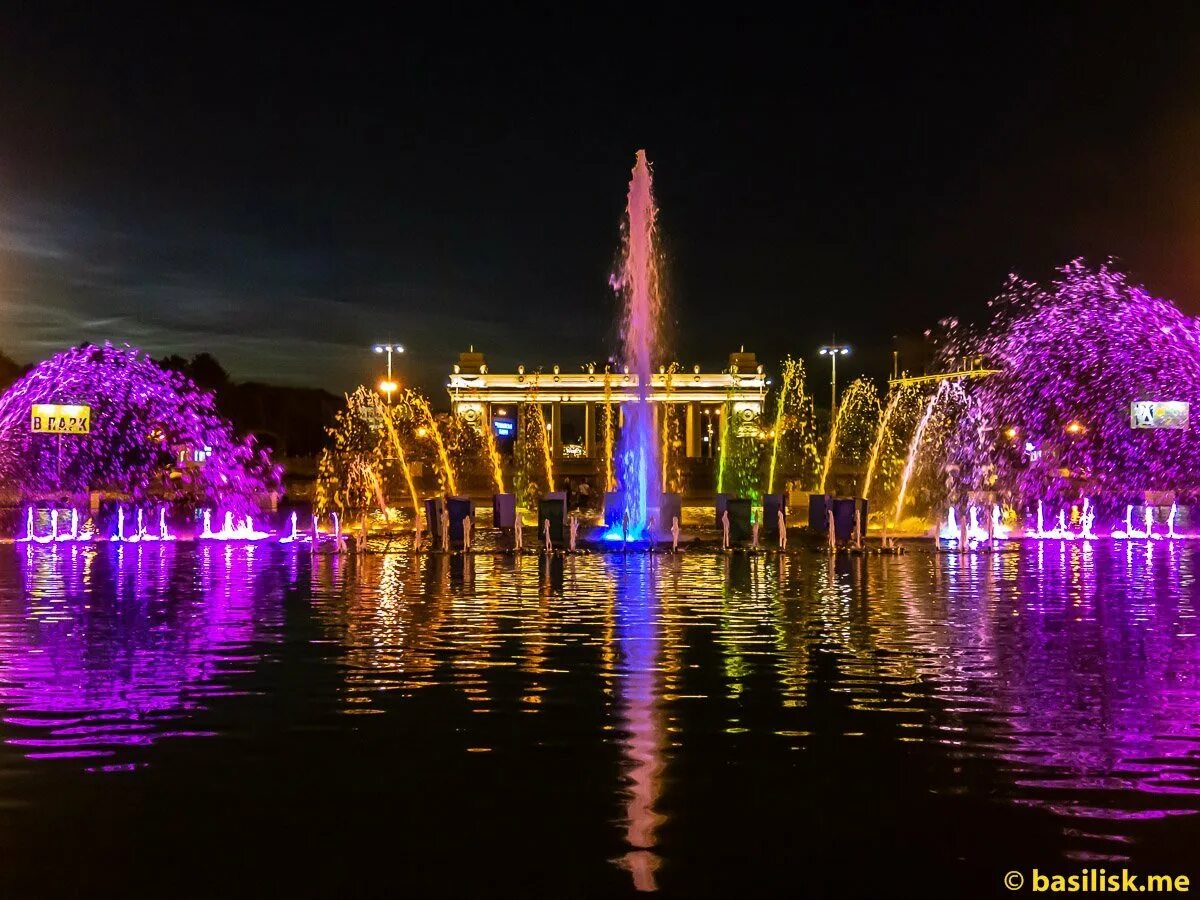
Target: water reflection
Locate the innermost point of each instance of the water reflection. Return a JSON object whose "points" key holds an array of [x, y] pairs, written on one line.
{"points": [[1059, 682], [107, 648], [637, 633]]}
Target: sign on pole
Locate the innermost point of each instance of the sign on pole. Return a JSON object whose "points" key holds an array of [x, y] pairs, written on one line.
{"points": [[58, 418], [1158, 414]]}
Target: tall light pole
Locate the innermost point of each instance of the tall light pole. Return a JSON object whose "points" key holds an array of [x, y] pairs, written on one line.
{"points": [[388, 385], [833, 351]]}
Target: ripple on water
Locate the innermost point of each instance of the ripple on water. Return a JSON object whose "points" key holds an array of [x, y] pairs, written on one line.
{"points": [[1064, 682]]}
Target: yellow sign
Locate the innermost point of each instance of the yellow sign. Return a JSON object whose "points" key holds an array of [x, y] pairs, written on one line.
{"points": [[55, 418]]}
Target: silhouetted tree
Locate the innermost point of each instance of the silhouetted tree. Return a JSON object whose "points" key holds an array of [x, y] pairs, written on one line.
{"points": [[207, 373], [10, 371]]}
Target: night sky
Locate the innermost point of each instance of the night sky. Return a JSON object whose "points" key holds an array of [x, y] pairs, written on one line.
{"points": [[285, 192]]}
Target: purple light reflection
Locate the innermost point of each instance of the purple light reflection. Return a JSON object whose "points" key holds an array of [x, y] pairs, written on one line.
{"points": [[1083, 657], [1052, 425], [112, 647], [638, 689]]}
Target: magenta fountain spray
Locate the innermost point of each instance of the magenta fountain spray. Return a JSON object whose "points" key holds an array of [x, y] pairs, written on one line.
{"points": [[638, 281]]}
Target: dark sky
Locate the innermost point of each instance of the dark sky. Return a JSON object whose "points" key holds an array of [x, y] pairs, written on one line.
{"points": [[283, 191]]}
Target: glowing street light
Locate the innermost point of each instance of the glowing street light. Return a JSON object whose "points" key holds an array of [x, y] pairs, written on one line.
{"points": [[388, 385], [833, 351]]}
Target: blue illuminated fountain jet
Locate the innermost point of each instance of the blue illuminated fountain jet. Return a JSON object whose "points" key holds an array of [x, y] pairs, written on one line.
{"points": [[637, 461]]}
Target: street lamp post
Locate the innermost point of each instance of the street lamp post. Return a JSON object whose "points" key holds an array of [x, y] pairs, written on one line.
{"points": [[833, 351], [388, 386]]}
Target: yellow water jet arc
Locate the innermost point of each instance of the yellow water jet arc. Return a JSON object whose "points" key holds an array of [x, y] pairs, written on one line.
{"points": [[403, 458], [489, 441], [610, 479], [726, 445], [831, 447], [894, 401], [789, 375], [666, 415], [860, 390], [422, 406], [914, 448], [371, 477], [539, 420]]}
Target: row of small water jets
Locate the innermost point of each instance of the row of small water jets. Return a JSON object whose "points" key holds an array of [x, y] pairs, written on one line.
{"points": [[970, 532], [68, 526]]}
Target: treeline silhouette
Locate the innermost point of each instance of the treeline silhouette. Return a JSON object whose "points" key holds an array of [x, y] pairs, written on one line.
{"points": [[289, 420]]}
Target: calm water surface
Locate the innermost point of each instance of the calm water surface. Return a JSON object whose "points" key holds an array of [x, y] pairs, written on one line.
{"points": [[229, 721]]}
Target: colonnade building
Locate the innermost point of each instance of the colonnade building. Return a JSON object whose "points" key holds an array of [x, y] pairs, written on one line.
{"points": [[573, 403]]}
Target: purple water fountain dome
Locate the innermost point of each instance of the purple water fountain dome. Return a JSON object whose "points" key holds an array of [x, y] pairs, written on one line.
{"points": [[637, 462], [149, 434], [1069, 414]]}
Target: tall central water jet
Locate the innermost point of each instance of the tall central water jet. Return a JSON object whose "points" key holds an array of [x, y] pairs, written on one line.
{"points": [[638, 282]]}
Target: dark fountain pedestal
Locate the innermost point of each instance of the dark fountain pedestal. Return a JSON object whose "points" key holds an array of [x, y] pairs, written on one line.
{"points": [[843, 515], [504, 510]]}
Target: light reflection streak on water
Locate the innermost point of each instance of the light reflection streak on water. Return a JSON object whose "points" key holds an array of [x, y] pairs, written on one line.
{"points": [[108, 648], [637, 632], [1071, 670]]}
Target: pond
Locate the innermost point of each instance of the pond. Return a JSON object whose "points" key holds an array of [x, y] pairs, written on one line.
{"points": [[198, 719]]}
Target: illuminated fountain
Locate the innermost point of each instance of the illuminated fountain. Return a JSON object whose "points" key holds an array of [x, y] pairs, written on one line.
{"points": [[610, 477], [1040, 416], [949, 530], [902, 403], [140, 421], [856, 419], [397, 447], [637, 453], [162, 533], [914, 448], [537, 424], [1000, 531], [671, 478], [52, 535], [371, 438], [130, 527], [1087, 405], [433, 431], [232, 528], [235, 528], [73, 533], [82, 530], [494, 460], [1074, 399], [794, 432]]}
